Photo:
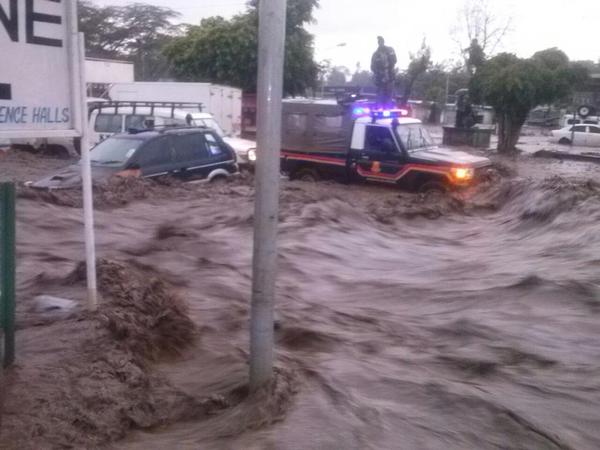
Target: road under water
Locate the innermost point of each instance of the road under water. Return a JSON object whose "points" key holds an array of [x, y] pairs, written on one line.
{"points": [[403, 321]]}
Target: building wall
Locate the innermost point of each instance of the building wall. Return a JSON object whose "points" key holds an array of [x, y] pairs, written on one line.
{"points": [[104, 71]]}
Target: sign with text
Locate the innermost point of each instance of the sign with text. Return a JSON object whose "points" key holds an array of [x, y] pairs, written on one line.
{"points": [[39, 68]]}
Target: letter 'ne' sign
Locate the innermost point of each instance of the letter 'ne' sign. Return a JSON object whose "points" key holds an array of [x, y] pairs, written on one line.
{"points": [[38, 48]]}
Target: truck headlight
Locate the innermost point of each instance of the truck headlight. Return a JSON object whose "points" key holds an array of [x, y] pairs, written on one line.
{"points": [[252, 155], [462, 174]]}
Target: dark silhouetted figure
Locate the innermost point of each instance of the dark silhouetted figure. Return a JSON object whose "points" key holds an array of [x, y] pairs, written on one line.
{"points": [[465, 116], [383, 63]]}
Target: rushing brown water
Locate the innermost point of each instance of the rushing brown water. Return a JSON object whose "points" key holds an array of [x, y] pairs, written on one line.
{"points": [[403, 322]]}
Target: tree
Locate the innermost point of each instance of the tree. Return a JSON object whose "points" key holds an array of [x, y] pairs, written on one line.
{"points": [[137, 32], [419, 63], [475, 58], [337, 76], [478, 23], [362, 78], [514, 86], [226, 51]]}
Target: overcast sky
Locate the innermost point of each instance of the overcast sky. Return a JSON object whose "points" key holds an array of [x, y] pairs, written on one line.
{"points": [[536, 24]]}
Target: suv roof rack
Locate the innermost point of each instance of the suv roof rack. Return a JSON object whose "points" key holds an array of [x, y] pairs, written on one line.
{"points": [[152, 105]]}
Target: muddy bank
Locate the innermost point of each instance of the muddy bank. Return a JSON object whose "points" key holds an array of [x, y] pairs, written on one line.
{"points": [[403, 321], [92, 383], [96, 381]]}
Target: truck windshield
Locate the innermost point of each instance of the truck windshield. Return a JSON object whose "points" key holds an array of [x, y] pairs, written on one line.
{"points": [[210, 123], [414, 137], [114, 151]]}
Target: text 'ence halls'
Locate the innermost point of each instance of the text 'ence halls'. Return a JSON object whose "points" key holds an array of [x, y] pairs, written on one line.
{"points": [[36, 114]]}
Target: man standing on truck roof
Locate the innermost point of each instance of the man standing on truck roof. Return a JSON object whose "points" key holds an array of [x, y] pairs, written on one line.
{"points": [[383, 64]]}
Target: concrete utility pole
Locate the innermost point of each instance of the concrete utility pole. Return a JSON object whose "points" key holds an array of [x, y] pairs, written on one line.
{"points": [[271, 41], [79, 88]]}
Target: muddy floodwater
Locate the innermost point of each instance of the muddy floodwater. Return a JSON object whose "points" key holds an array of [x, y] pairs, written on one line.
{"points": [[402, 321]]}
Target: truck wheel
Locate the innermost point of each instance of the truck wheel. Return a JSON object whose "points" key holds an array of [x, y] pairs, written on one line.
{"points": [[308, 175], [564, 141], [433, 187]]}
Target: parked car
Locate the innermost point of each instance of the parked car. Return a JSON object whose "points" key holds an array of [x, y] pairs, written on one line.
{"points": [[185, 153], [585, 134], [109, 118]]}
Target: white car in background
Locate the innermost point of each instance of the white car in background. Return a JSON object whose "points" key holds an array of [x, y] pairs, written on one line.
{"points": [[583, 134]]}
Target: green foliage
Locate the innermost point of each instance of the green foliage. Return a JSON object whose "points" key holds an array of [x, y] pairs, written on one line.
{"points": [[419, 64], [218, 50], [226, 51], [476, 57], [136, 32], [432, 84], [514, 86], [337, 76], [362, 78]]}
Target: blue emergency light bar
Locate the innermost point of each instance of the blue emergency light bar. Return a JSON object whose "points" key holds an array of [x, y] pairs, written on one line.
{"points": [[379, 113]]}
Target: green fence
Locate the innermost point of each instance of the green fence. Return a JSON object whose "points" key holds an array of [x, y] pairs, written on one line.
{"points": [[7, 272]]}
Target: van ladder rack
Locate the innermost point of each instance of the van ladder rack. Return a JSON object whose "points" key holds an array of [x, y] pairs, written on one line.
{"points": [[100, 106]]}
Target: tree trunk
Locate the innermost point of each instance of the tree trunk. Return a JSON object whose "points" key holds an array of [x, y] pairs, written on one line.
{"points": [[509, 130]]}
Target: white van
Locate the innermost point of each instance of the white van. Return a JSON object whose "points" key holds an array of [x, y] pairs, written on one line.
{"points": [[106, 118], [67, 146]]}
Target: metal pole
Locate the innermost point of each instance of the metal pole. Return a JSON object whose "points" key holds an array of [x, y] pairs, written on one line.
{"points": [[86, 176], [271, 41], [78, 83], [573, 128], [7, 269]]}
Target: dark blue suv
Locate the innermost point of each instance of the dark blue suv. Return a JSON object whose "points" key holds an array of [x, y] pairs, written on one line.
{"points": [[188, 153]]}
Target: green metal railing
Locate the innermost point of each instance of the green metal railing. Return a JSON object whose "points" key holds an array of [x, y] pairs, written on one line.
{"points": [[7, 272]]}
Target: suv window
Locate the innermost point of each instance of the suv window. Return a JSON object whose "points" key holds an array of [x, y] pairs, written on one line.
{"points": [[379, 139], [135, 122], [108, 123], [578, 129], [114, 150], [213, 145], [154, 153], [189, 147]]}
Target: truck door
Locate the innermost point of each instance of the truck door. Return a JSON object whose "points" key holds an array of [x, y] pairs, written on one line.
{"points": [[381, 159]]}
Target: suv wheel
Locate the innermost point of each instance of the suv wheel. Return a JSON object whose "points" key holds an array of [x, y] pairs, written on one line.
{"points": [[218, 180]]}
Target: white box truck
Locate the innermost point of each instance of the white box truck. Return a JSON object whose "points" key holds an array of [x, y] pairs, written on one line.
{"points": [[223, 102]]}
